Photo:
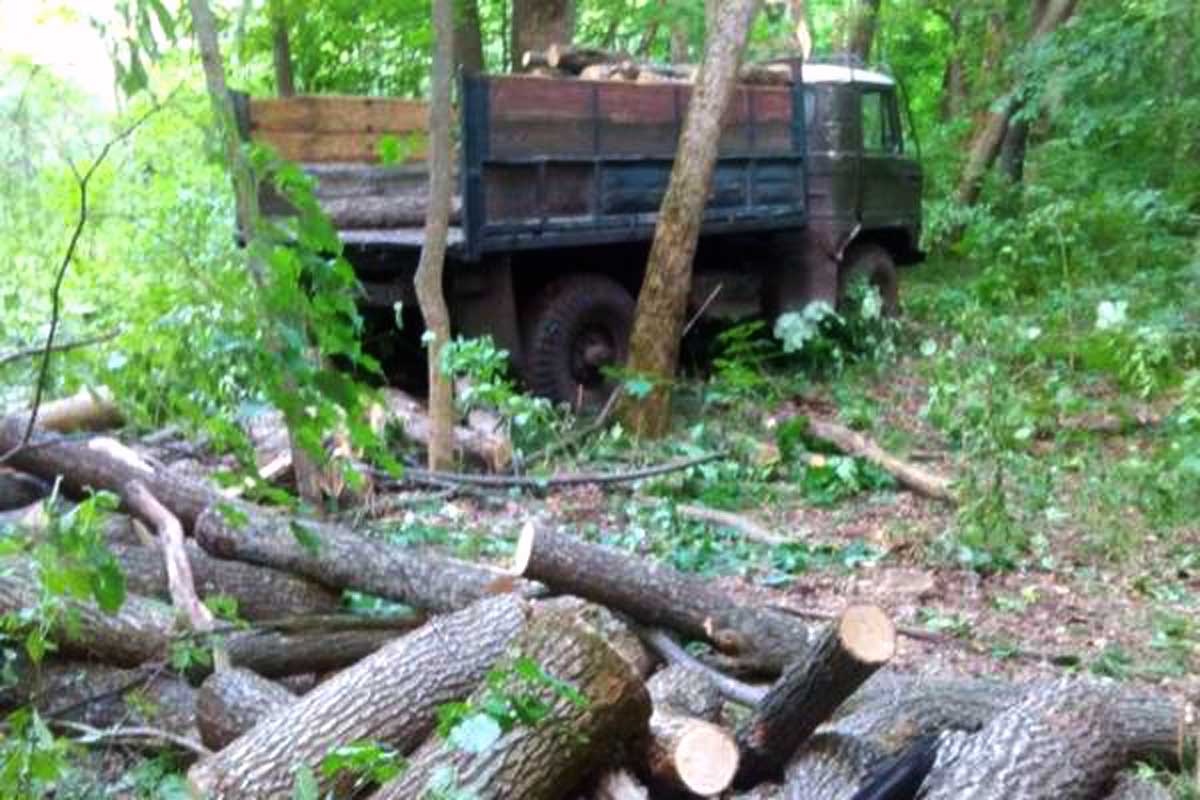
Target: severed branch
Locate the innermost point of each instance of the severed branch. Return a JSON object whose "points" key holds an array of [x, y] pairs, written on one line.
{"points": [[68, 257], [910, 476], [179, 569], [672, 652], [91, 735], [436, 478], [726, 519], [58, 347]]}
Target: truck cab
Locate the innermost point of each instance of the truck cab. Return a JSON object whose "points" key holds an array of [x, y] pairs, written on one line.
{"points": [[559, 184]]}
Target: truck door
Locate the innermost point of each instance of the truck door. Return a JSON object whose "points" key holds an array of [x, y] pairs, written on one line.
{"points": [[890, 182]]}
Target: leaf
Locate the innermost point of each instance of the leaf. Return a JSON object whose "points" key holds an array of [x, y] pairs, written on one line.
{"points": [[305, 786], [475, 734], [307, 539], [108, 586]]}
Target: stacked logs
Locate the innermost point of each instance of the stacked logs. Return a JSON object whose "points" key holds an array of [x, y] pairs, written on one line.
{"points": [[593, 64], [571, 654]]}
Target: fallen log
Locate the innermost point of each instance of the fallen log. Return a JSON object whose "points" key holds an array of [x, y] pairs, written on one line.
{"points": [[543, 761], [232, 701], [491, 449], [324, 647], [90, 465], [575, 59], [340, 559], [618, 784], [18, 492], [656, 595], [910, 476], [261, 593], [615, 629], [685, 749], [86, 410], [390, 697], [810, 690], [1061, 742]]}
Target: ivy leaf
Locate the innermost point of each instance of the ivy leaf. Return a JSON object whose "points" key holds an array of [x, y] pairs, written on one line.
{"points": [[475, 734], [307, 539], [108, 586], [305, 786]]}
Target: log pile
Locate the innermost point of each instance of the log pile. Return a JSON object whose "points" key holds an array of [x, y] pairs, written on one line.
{"points": [[594, 64], [560, 675]]}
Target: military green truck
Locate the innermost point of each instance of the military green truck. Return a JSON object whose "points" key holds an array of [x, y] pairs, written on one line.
{"points": [[559, 184]]}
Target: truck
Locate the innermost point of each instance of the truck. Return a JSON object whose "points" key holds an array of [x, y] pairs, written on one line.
{"points": [[559, 182]]}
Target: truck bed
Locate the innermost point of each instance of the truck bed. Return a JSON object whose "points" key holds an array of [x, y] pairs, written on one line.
{"points": [[543, 162]]}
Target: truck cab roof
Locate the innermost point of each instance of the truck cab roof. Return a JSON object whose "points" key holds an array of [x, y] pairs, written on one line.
{"points": [[840, 73]]}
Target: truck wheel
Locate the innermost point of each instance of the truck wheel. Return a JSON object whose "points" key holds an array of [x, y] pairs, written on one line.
{"points": [[871, 263], [575, 327]]}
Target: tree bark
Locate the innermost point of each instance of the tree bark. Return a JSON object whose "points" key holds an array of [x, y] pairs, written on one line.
{"points": [[429, 284], [656, 595], [847, 653], [1063, 742], [281, 47], [468, 40], [537, 24], [323, 647], [390, 697], [986, 144], [261, 593], [340, 559], [662, 301], [545, 760], [862, 24], [233, 701], [953, 101]]}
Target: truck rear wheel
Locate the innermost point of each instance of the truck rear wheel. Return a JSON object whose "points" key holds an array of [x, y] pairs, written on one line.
{"points": [[871, 263], [574, 328]]}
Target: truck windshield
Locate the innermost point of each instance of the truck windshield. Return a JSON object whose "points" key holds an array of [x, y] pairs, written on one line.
{"points": [[880, 123]]}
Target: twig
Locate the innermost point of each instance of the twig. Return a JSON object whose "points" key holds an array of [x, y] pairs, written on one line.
{"points": [[75, 344], [412, 475], [726, 519], [68, 256], [91, 735], [703, 307], [671, 651], [579, 435]]}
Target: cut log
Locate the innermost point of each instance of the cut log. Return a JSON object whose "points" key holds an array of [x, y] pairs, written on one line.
{"points": [[323, 648], [685, 749], [910, 476], [232, 701], [19, 493], [390, 697], [261, 593], [1131, 787], [615, 629], [86, 410], [730, 688], [544, 761], [340, 559], [618, 784], [656, 595], [575, 59], [1062, 742], [139, 632], [491, 449], [685, 691], [85, 465], [617, 71], [808, 693], [765, 75]]}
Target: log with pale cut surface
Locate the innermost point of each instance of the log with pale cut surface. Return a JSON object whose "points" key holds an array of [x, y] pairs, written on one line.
{"points": [[545, 760], [339, 558], [232, 701], [390, 697], [685, 749], [845, 655], [619, 784], [655, 594]]}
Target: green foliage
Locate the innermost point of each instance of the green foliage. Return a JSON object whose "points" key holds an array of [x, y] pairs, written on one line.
{"points": [[32, 759]]}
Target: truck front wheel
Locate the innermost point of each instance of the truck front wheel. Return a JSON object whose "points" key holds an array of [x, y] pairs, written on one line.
{"points": [[574, 328], [873, 264]]}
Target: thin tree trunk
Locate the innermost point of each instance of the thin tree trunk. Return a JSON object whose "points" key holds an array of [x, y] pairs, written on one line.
{"points": [[863, 22], [468, 40], [245, 190], [662, 302], [429, 284], [281, 50], [802, 27], [953, 101], [537, 24]]}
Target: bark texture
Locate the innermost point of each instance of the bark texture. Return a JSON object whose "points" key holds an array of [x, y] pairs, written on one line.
{"points": [[545, 760], [340, 559], [654, 594], [431, 295], [846, 654], [233, 701], [390, 697], [277, 654], [662, 301]]}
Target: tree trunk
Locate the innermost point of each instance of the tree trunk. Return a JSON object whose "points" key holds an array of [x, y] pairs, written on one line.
{"points": [[656, 595], [1061, 743], [986, 144], [862, 24], [233, 701], [802, 27], [848, 652], [953, 101], [245, 190], [390, 697], [468, 41], [543, 761], [662, 301], [537, 24], [281, 49], [260, 592], [430, 289], [340, 559]]}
